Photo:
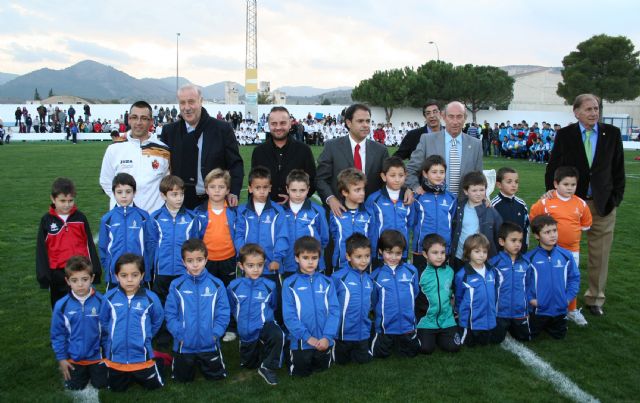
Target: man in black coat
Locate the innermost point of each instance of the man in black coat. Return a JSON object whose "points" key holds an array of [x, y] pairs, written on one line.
{"points": [[595, 150], [198, 144], [281, 153], [431, 113]]}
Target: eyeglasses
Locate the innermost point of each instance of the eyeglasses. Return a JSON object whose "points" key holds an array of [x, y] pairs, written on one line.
{"points": [[135, 118], [430, 113]]}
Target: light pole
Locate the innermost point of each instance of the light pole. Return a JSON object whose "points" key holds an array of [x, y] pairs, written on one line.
{"points": [[177, 47], [437, 50]]}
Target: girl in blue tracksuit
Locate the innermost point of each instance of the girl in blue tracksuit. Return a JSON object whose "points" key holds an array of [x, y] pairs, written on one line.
{"points": [[130, 316]]}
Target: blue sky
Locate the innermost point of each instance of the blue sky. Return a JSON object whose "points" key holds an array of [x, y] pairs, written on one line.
{"points": [[319, 43]]}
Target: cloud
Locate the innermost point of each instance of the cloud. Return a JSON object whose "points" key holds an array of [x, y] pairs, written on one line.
{"points": [[32, 54], [215, 62], [95, 50]]}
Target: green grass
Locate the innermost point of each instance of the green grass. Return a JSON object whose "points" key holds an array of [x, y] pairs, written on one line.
{"points": [[602, 358]]}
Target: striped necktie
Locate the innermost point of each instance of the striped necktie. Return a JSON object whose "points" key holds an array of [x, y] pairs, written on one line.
{"points": [[454, 167]]}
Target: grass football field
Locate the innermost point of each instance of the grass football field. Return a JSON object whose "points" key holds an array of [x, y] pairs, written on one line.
{"points": [[602, 359]]}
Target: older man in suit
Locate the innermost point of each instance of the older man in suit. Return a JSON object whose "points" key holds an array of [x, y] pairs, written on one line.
{"points": [[595, 149], [462, 152]]}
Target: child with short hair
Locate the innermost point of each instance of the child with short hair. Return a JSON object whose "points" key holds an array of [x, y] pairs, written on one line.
{"points": [[514, 275], [197, 312], [476, 288], [511, 207], [311, 311], [386, 206], [474, 217], [63, 232], [437, 326], [351, 185], [130, 316], [122, 229], [303, 218], [395, 321], [254, 300], [573, 216], [75, 328], [556, 280], [354, 288]]}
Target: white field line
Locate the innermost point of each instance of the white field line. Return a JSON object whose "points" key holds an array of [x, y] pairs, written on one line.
{"points": [[87, 395], [545, 371]]}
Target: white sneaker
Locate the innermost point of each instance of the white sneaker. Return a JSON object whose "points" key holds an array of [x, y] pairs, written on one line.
{"points": [[230, 336], [577, 317]]}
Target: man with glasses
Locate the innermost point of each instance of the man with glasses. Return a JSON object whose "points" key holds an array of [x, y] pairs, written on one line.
{"points": [[431, 113], [142, 155]]}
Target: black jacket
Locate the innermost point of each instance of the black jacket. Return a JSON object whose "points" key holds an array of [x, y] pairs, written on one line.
{"points": [[489, 220], [410, 142]]}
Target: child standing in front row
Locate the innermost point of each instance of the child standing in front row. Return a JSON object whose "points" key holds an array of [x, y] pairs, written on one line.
{"points": [[197, 312], [395, 321], [130, 316]]}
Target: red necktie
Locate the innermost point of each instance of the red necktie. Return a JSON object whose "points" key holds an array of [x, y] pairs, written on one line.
{"points": [[357, 161]]}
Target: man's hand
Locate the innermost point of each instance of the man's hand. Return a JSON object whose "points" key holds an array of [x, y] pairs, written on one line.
{"points": [[323, 344], [65, 366], [549, 195], [284, 198], [408, 197], [232, 200], [419, 190], [533, 302], [274, 266], [336, 207]]}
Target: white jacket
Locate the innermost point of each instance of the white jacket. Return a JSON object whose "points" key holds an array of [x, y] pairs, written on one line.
{"points": [[148, 163]]}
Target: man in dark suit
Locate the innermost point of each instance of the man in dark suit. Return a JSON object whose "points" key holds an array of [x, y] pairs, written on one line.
{"points": [[198, 144], [431, 113], [595, 150]]}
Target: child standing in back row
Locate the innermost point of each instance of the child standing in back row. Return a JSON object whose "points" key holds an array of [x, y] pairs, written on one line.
{"points": [[511, 207]]}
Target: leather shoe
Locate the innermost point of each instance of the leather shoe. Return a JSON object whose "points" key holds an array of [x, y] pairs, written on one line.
{"points": [[596, 310]]}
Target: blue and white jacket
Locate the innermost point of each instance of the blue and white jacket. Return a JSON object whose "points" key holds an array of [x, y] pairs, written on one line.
{"points": [[75, 328], [354, 289], [309, 308], [268, 230], [311, 221], [252, 303], [555, 281], [123, 230], [197, 312], [433, 213], [385, 214], [129, 325], [341, 228], [476, 298], [394, 297], [167, 234], [513, 283]]}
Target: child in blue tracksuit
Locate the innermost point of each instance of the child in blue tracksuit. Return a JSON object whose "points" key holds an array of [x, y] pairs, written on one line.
{"points": [[386, 206], [75, 328], [351, 184], [263, 222], [354, 289], [555, 280], [129, 317], [197, 313], [122, 229], [514, 275], [303, 218], [395, 291], [476, 290], [311, 311], [254, 300]]}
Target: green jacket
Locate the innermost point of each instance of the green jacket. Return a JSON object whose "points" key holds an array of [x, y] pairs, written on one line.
{"points": [[436, 283]]}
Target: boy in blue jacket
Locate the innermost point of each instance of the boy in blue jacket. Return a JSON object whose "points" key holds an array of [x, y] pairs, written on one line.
{"points": [[555, 281], [122, 229], [197, 313], [514, 275], [253, 300], [395, 321], [129, 317], [75, 328], [303, 218], [311, 311], [354, 289]]}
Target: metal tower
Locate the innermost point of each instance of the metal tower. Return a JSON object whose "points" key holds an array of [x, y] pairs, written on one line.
{"points": [[251, 63]]}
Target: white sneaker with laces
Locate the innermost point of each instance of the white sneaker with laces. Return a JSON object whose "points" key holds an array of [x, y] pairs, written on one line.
{"points": [[230, 336], [577, 317]]}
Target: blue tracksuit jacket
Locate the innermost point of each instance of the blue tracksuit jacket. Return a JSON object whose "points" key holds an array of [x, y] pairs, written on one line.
{"points": [[476, 298], [513, 283], [352, 221], [75, 328], [433, 214], [197, 312], [309, 308], [354, 289], [394, 297], [310, 220], [386, 214], [252, 303]]}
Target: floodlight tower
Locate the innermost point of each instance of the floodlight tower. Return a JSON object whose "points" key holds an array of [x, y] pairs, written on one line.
{"points": [[251, 62]]}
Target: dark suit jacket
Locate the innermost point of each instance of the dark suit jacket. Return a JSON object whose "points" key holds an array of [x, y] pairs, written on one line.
{"points": [[337, 156], [606, 174], [410, 142]]}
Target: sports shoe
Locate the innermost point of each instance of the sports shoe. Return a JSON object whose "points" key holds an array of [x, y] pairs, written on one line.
{"points": [[268, 375], [229, 336], [577, 317]]}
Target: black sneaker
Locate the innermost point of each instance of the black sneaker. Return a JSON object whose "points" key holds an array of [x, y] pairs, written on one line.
{"points": [[268, 375]]}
